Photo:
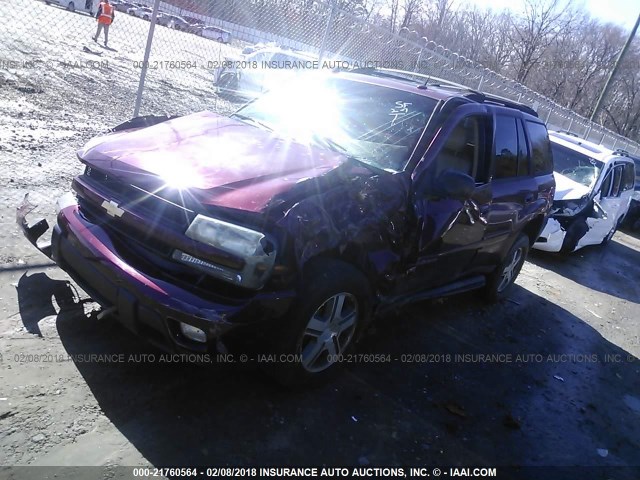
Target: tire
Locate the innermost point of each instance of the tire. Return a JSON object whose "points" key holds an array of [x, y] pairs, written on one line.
{"points": [[334, 304], [500, 283], [71, 7], [220, 40], [146, 17]]}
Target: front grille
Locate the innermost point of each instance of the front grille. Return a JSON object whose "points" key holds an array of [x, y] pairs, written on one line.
{"points": [[144, 249], [163, 205], [98, 216]]}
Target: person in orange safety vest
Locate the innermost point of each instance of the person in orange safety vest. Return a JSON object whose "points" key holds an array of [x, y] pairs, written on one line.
{"points": [[105, 17]]}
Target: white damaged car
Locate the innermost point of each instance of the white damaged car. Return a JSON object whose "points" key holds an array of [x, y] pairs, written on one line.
{"points": [[252, 74], [594, 186]]}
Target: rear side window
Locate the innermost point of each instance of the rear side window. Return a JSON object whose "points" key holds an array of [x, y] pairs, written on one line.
{"points": [[628, 176], [523, 151], [505, 147], [541, 158]]}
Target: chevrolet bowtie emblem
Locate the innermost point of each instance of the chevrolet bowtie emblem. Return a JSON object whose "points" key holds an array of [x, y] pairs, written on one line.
{"points": [[112, 208]]}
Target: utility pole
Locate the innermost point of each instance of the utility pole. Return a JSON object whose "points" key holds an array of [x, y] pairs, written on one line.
{"points": [[327, 29], [603, 94]]}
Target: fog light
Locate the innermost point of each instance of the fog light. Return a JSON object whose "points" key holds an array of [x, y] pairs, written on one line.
{"points": [[193, 333]]}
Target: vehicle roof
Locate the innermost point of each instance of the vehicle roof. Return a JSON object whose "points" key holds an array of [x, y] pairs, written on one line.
{"points": [[585, 147], [277, 49], [439, 91]]}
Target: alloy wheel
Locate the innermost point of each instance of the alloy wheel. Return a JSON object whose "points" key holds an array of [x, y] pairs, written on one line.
{"points": [[510, 270], [329, 332]]}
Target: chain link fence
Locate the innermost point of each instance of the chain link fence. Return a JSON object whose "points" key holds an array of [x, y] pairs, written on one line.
{"points": [[163, 56]]}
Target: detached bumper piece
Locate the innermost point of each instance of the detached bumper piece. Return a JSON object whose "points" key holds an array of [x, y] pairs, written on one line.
{"points": [[35, 231]]}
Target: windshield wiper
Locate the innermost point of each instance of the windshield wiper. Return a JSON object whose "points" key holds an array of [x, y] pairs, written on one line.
{"points": [[248, 119]]}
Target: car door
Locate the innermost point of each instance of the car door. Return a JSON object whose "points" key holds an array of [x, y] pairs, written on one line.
{"points": [[450, 231], [614, 204], [514, 189], [606, 206]]}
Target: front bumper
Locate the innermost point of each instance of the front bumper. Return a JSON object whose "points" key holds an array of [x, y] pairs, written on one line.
{"points": [[150, 307]]}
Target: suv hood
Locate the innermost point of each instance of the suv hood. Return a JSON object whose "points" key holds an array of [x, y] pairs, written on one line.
{"points": [[567, 189], [220, 160]]}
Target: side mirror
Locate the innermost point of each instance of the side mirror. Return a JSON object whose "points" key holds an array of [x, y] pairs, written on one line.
{"points": [[454, 184]]}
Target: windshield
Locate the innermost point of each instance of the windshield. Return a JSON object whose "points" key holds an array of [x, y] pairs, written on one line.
{"points": [[376, 125], [576, 166]]}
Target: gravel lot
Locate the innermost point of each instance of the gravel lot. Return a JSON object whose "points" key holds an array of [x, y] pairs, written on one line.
{"points": [[564, 391]]}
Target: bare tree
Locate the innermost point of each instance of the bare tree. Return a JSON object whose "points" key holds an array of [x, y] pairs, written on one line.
{"points": [[535, 31]]}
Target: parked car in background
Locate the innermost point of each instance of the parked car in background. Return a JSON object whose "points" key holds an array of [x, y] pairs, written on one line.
{"points": [[141, 12], [266, 67], [172, 21], [258, 46], [87, 6], [194, 27], [214, 33], [122, 6], [286, 227], [593, 193]]}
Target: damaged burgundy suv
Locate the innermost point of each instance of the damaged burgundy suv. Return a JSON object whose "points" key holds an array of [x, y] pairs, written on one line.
{"points": [[297, 219]]}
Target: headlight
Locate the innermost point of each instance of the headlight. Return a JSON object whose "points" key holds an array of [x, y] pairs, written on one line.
{"points": [[567, 208], [240, 241]]}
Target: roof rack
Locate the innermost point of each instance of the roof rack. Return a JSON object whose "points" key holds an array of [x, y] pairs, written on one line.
{"points": [[431, 81], [481, 97], [622, 152]]}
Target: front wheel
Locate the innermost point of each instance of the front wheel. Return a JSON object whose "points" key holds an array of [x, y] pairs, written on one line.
{"points": [[71, 7], [334, 305], [501, 281]]}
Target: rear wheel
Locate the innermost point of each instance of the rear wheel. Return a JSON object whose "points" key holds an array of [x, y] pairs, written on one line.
{"points": [[334, 305], [501, 281]]}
